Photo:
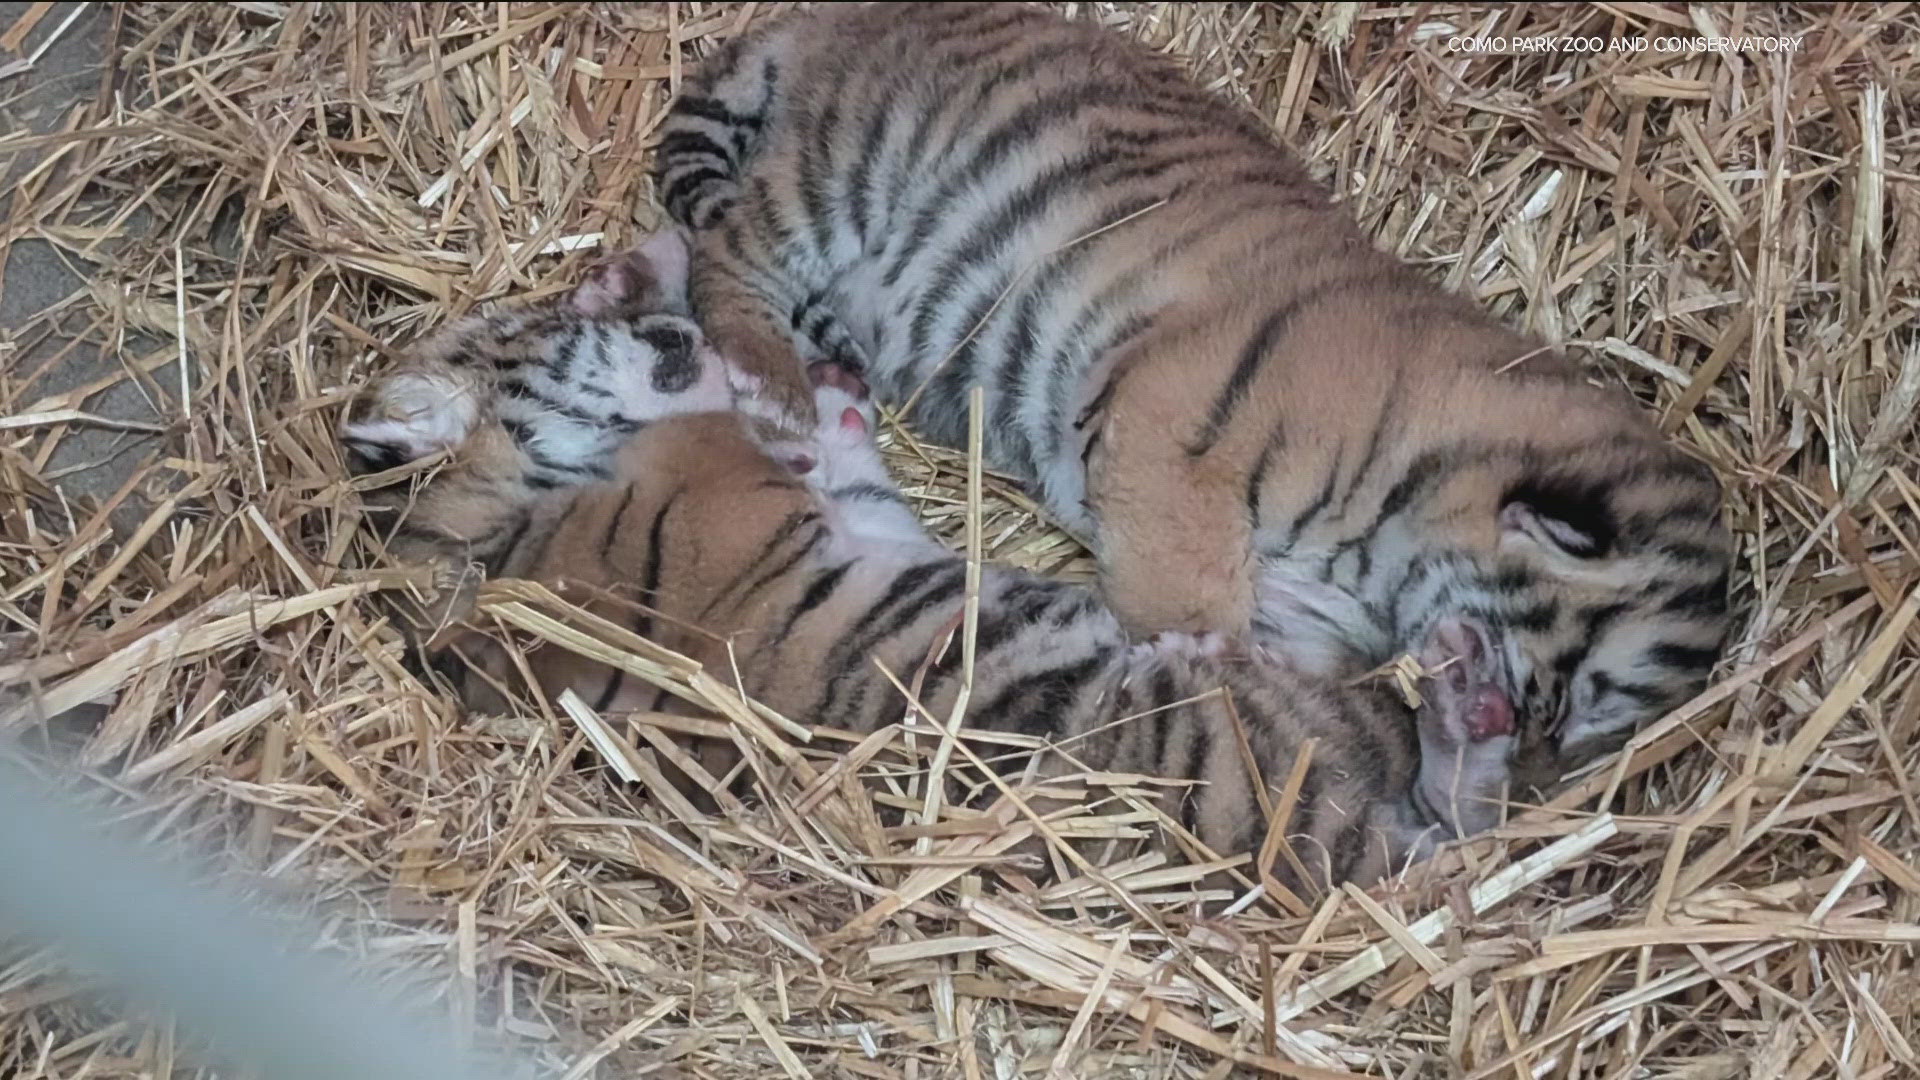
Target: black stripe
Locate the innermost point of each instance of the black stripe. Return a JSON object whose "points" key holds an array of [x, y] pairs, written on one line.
{"points": [[1024, 205], [983, 57], [1349, 845], [1199, 748], [613, 522], [1021, 349], [1643, 694], [563, 347], [1253, 355], [1161, 693], [1692, 554], [707, 108], [1115, 374], [818, 590], [813, 542], [1058, 387], [688, 143], [961, 369], [1419, 476], [650, 584], [498, 552], [911, 591], [814, 169], [1537, 617], [1598, 617], [1258, 478], [1036, 704], [775, 231], [1384, 419], [686, 185], [615, 677], [1193, 718], [859, 180], [1320, 501], [1424, 810], [1684, 657], [1567, 661], [1707, 599], [792, 524], [1027, 124], [365, 456], [867, 491]]}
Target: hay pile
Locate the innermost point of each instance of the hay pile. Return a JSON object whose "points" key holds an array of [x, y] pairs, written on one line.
{"points": [[283, 192]]}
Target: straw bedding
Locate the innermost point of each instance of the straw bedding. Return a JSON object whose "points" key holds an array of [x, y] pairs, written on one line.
{"points": [[286, 192]]}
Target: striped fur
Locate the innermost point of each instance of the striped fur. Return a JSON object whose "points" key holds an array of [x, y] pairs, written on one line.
{"points": [[1264, 425], [808, 588]]}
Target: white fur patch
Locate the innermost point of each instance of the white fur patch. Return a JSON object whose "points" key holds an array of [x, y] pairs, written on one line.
{"points": [[1315, 624]]}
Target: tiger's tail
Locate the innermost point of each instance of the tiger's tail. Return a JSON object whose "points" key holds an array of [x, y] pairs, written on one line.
{"points": [[715, 125]]}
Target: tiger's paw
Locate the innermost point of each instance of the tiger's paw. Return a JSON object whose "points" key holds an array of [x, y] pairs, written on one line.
{"points": [[1469, 702], [830, 373], [843, 406]]}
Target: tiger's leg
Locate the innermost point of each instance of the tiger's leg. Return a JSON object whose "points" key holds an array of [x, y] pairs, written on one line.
{"points": [[739, 306], [1174, 541]]}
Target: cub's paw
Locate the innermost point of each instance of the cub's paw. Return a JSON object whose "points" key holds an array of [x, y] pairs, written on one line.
{"points": [[775, 419], [408, 416], [842, 405], [830, 374], [1468, 700]]}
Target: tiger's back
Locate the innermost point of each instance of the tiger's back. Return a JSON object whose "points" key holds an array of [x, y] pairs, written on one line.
{"points": [[1263, 424]]}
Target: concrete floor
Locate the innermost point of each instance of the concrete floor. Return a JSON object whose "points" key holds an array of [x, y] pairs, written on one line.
{"points": [[91, 461]]}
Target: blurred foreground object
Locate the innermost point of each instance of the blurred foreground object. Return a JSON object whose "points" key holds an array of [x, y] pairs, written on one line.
{"points": [[70, 882]]}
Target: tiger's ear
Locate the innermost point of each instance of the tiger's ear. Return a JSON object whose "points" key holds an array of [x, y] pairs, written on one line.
{"points": [[407, 417], [649, 278], [1588, 539]]}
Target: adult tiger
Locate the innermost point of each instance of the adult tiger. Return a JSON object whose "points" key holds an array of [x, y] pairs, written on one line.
{"points": [[590, 446], [1261, 423]]}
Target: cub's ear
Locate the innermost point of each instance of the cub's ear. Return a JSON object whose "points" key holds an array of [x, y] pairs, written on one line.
{"points": [[1582, 535], [406, 417], [649, 278]]}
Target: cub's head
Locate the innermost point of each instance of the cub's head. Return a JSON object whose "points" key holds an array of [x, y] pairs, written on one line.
{"points": [[530, 399], [1604, 603]]}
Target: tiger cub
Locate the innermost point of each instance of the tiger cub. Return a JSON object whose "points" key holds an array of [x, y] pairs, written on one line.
{"points": [[588, 443], [1262, 424]]}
